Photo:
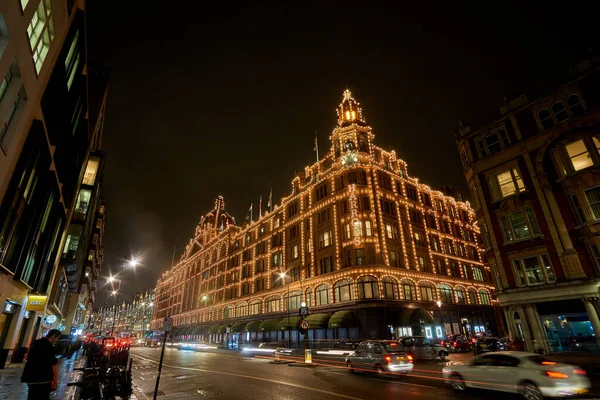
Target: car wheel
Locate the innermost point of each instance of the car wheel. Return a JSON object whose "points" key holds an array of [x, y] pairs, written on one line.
{"points": [[350, 367], [443, 355], [531, 392], [458, 383]]}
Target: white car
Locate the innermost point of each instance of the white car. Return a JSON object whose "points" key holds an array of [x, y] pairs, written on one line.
{"points": [[529, 374]]}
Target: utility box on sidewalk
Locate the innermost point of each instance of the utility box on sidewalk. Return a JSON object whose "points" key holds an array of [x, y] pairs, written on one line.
{"points": [[308, 356]]}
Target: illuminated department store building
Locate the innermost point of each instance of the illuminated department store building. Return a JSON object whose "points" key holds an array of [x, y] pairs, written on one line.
{"points": [[372, 252]]}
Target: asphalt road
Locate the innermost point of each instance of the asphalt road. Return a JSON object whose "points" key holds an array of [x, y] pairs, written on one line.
{"points": [[195, 375]]}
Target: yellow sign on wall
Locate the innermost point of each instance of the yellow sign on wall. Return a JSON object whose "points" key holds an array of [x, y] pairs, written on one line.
{"points": [[36, 303]]}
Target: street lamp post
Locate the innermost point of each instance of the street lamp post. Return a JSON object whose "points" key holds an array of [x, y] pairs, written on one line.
{"points": [[283, 275], [131, 263], [439, 304]]}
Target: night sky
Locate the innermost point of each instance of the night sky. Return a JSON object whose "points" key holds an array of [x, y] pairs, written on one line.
{"points": [[210, 99]]}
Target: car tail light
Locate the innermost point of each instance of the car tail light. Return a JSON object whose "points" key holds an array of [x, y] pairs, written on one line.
{"points": [[579, 371], [410, 358], [388, 359], [556, 375]]}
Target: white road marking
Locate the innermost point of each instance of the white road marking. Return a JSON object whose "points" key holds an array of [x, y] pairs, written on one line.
{"points": [[256, 378]]}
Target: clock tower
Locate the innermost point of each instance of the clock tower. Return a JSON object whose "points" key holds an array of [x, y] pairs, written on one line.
{"points": [[352, 138]]}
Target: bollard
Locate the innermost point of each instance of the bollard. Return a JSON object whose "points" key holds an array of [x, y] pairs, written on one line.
{"points": [[308, 356], [277, 357]]}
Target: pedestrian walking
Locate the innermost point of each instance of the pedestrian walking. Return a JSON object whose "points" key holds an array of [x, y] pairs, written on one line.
{"points": [[40, 372]]}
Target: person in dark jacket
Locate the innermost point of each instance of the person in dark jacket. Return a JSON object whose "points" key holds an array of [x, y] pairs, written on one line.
{"points": [[38, 372]]}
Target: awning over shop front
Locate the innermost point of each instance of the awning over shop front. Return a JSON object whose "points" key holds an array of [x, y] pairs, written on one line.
{"points": [[213, 329], [252, 326], [270, 325], [414, 316], [293, 324], [223, 328], [318, 321], [238, 327], [342, 319]]}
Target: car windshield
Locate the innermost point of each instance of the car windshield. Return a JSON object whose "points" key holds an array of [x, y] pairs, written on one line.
{"points": [[393, 347], [539, 360]]}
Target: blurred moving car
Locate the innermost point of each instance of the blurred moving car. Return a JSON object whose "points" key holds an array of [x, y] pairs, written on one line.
{"points": [[488, 344], [422, 348], [529, 374], [381, 356], [457, 343]]}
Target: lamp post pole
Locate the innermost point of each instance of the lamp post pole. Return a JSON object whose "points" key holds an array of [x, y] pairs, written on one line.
{"points": [[439, 304], [283, 275]]}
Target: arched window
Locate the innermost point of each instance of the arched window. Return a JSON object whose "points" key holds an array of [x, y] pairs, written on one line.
{"points": [[322, 295], [446, 294], [292, 300], [461, 297], [255, 307], [390, 288], [343, 290], [409, 290], [427, 292], [309, 293], [574, 103], [559, 111], [273, 304], [485, 297], [472, 296], [545, 118], [367, 287], [240, 310]]}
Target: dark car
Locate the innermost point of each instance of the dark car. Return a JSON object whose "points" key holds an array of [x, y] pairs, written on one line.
{"points": [[581, 343], [457, 343], [484, 345]]}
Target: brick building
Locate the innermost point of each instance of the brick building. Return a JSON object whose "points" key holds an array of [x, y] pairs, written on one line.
{"points": [[533, 167]]}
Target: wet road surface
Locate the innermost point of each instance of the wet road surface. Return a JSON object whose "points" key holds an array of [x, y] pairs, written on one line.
{"points": [[196, 375]]}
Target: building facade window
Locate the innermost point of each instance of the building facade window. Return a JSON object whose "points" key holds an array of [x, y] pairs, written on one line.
{"points": [[577, 209], [446, 294], [593, 197], [485, 298], [559, 111], [390, 288], [367, 288], [506, 183], [427, 292], [575, 105], [579, 155], [492, 143], [409, 290], [545, 118], [322, 295], [519, 225], [273, 304], [343, 290], [533, 270]]}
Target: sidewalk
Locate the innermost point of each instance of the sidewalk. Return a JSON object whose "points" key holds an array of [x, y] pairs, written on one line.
{"points": [[12, 388]]}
